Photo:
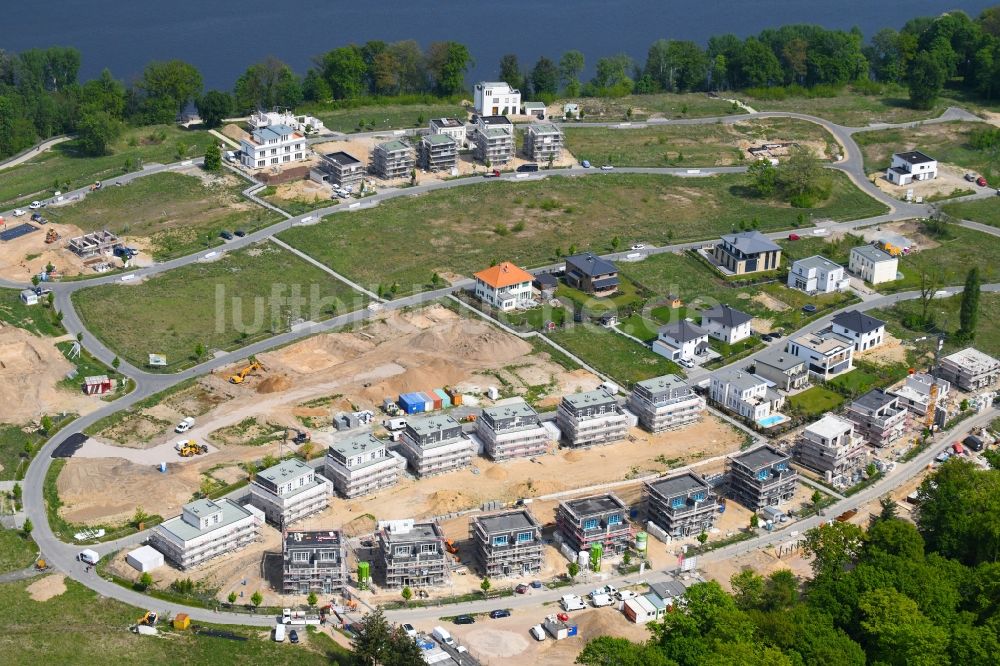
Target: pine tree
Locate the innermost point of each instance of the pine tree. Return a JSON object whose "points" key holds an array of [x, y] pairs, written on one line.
{"points": [[969, 313]]}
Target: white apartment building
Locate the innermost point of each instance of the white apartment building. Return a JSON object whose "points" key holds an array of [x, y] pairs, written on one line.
{"points": [[915, 393], [969, 369], [435, 445], [512, 430], [362, 465], [300, 123], [273, 145], [589, 418], [910, 166], [496, 98], [827, 354], [873, 265], [726, 324], [494, 140], [866, 332], [543, 142], [817, 275], [664, 403], [504, 286], [745, 394], [831, 447], [449, 127], [204, 530], [289, 491]]}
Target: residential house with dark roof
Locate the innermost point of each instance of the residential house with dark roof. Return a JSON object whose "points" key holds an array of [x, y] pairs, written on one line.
{"points": [[681, 341], [867, 332], [508, 544], [412, 554], [726, 324], [747, 252], [681, 505], [878, 417], [761, 477], [910, 166], [339, 169], [786, 371], [601, 519], [591, 274]]}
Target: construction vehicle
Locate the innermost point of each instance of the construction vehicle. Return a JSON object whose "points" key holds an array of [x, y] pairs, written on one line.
{"points": [[41, 565], [148, 620], [449, 545], [889, 248], [241, 376], [187, 448], [51, 236], [469, 419], [301, 437]]}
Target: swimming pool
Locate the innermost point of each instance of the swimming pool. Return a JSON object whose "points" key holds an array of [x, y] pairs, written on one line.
{"points": [[771, 420]]}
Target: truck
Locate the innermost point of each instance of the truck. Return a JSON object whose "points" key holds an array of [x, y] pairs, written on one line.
{"points": [[394, 424], [186, 424], [571, 602], [443, 637], [89, 556]]}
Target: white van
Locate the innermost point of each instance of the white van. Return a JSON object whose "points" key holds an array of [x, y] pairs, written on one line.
{"points": [[600, 600], [89, 556], [571, 602], [443, 636], [279, 633], [537, 632], [186, 424]]}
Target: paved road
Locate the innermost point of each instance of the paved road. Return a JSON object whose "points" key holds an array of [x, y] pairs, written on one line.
{"points": [[62, 555], [33, 152]]}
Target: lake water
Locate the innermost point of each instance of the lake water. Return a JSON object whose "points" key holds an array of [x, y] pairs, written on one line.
{"points": [[222, 37]]}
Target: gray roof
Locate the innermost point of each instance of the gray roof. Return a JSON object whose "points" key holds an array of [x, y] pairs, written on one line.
{"points": [[727, 316], [663, 383], [683, 331], [875, 399], [668, 589], [762, 456], [915, 157], [292, 468], [393, 146], [544, 129], [508, 522], [590, 264], [231, 513], [873, 254], [511, 409], [679, 484], [358, 444], [741, 379], [780, 359], [420, 532], [588, 506], [818, 262], [854, 320], [438, 139], [588, 398], [271, 132], [751, 242], [431, 424]]}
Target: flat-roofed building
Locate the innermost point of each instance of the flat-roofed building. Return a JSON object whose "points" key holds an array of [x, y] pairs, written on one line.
{"points": [[817, 275], [681, 505], [601, 519], [589, 418], [314, 561], [450, 127], [915, 393], [827, 354], [362, 465], [205, 529], [508, 544], [761, 477], [412, 554], [289, 491], [543, 142], [496, 98], [435, 445], [512, 430], [338, 169], [830, 446], [878, 417], [494, 141], [393, 159], [438, 152], [969, 369], [664, 403]]}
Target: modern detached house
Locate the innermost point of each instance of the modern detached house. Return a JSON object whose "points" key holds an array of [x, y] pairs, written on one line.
{"points": [[681, 341], [496, 98], [908, 167], [873, 265], [681, 505], [508, 544], [726, 324], [817, 275], [273, 145], [289, 491], [747, 252], [601, 519], [866, 332], [830, 446], [761, 477], [827, 354], [591, 274], [664, 403], [504, 286], [878, 417]]}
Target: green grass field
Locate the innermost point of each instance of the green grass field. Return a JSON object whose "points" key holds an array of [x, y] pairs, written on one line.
{"points": [[37, 178], [986, 211], [373, 118], [660, 105], [814, 401], [16, 551], [946, 142], [225, 304], [853, 109], [417, 237], [946, 320], [35, 318], [624, 360], [178, 213], [13, 456], [688, 145], [80, 627]]}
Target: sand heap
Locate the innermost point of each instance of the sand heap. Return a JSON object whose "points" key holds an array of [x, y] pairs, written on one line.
{"points": [[30, 369], [449, 501], [274, 384], [473, 341]]}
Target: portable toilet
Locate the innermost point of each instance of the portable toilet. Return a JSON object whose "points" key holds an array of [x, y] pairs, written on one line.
{"points": [[493, 393], [445, 400]]}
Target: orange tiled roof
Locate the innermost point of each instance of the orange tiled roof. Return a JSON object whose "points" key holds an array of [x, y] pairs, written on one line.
{"points": [[504, 275]]}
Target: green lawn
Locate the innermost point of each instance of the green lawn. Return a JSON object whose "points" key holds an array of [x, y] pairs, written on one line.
{"points": [[986, 211], [628, 296], [814, 401], [38, 318], [853, 109], [16, 551], [688, 145], [945, 142], [65, 164], [178, 213], [555, 215], [952, 259], [81, 627], [946, 319], [660, 105], [12, 450], [225, 304], [624, 360], [373, 118], [640, 327]]}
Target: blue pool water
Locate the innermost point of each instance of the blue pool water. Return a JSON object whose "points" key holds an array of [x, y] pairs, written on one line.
{"points": [[769, 421]]}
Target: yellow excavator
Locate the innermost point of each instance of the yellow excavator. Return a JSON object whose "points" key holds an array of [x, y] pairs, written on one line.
{"points": [[240, 376], [149, 619], [188, 448]]}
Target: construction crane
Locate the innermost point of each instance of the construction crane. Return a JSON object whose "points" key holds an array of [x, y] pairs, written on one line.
{"points": [[240, 376], [932, 397]]}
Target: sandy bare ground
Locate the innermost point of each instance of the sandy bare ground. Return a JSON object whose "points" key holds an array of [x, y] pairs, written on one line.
{"points": [[30, 370], [30, 254], [949, 178], [908, 228], [45, 588], [889, 352], [94, 448]]}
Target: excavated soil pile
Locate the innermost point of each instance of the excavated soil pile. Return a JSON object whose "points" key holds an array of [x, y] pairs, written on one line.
{"points": [[30, 369], [274, 384], [449, 501]]}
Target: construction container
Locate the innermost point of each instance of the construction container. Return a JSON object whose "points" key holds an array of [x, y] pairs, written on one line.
{"points": [[411, 403], [436, 398], [456, 397], [596, 553], [641, 541], [182, 621], [364, 575], [445, 400], [428, 401]]}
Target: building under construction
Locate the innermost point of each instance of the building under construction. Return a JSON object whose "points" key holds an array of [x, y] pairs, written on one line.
{"points": [[601, 519], [392, 159], [413, 554], [507, 544], [93, 244]]}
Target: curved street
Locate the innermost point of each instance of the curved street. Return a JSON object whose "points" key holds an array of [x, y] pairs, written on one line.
{"points": [[62, 555]]}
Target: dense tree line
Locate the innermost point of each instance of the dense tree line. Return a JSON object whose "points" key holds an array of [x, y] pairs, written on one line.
{"points": [[892, 594]]}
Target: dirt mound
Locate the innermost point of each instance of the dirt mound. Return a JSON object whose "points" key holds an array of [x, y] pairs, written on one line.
{"points": [[472, 341], [44, 589], [496, 473], [361, 525], [573, 456], [534, 488], [30, 371], [274, 384], [449, 501]]}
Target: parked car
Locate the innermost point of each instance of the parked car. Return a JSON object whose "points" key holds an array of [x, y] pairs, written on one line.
{"points": [[981, 182], [492, 174], [971, 177], [571, 602], [18, 212], [776, 334], [499, 613], [521, 589], [686, 363], [794, 237], [537, 584], [537, 632], [527, 168], [293, 636], [601, 600], [465, 619], [36, 217], [639, 246], [585, 164], [226, 235], [35, 205], [241, 233], [767, 337], [607, 167], [409, 630], [809, 308], [624, 595]]}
